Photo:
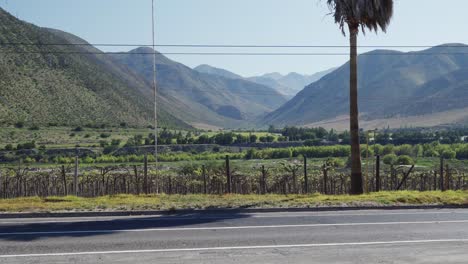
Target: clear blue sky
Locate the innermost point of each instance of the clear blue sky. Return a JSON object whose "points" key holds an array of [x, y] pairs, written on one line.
{"points": [[267, 22]]}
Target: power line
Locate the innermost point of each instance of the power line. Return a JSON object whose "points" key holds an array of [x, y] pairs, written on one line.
{"points": [[235, 53], [224, 45]]}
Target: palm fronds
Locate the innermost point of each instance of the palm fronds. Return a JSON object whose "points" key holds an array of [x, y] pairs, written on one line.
{"points": [[371, 14]]}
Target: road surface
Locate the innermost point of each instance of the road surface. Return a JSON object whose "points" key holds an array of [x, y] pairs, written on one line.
{"points": [[410, 236]]}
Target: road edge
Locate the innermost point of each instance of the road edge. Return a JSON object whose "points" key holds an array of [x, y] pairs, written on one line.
{"points": [[220, 211]]}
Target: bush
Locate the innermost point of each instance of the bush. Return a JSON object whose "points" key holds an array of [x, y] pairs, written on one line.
{"points": [[390, 159], [105, 135], [28, 145], [462, 152], [34, 127], [449, 154], [19, 124], [404, 150], [405, 160], [9, 147], [312, 142]]}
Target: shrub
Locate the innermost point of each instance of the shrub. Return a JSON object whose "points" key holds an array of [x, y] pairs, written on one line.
{"points": [[105, 135], [28, 145], [404, 150], [9, 147], [449, 154], [405, 160], [390, 159], [462, 152], [19, 124]]}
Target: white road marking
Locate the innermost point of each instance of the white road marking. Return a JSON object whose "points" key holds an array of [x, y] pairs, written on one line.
{"points": [[150, 218], [238, 248], [225, 228]]}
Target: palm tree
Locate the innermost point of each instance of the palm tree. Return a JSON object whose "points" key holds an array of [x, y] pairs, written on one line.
{"points": [[358, 14]]}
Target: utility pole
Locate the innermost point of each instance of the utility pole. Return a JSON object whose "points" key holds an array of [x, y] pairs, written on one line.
{"points": [[155, 86]]}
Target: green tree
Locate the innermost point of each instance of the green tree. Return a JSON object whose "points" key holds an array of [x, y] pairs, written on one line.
{"points": [[356, 14]]}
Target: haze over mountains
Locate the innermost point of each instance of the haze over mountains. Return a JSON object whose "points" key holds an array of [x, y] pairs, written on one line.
{"points": [[288, 85]]}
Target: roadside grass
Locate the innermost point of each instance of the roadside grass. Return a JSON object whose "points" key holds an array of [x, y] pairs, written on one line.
{"points": [[177, 202]]}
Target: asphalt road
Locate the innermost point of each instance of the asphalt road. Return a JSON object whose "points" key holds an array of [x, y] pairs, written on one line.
{"points": [[411, 236]]}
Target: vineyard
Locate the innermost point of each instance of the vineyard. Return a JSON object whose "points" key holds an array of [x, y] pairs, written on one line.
{"points": [[279, 176]]}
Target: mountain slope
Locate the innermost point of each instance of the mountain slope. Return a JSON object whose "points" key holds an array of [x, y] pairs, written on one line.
{"points": [[204, 68], [390, 83], [65, 84], [207, 99]]}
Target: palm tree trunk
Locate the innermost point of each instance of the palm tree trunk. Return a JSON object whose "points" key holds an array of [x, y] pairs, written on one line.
{"points": [[356, 170]]}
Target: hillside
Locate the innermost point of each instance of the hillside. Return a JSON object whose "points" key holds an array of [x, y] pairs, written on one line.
{"points": [[392, 85], [67, 85], [204, 68], [207, 99]]}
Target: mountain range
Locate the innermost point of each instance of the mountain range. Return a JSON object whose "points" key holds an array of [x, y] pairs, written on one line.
{"points": [[288, 85], [204, 100], [74, 84], [423, 88]]}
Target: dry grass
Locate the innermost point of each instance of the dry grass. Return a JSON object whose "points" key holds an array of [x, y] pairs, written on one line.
{"points": [[174, 202]]}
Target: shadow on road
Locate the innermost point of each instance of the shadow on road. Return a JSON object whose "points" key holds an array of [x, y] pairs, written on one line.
{"points": [[87, 228]]}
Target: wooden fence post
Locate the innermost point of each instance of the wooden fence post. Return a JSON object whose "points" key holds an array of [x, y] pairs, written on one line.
{"points": [[64, 179], [442, 185], [75, 177], [378, 182], [2, 191], [228, 175], [264, 181], [447, 178], [205, 191], [145, 171], [306, 180]]}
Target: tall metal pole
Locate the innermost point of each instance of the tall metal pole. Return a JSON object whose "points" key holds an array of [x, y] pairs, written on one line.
{"points": [[154, 86]]}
